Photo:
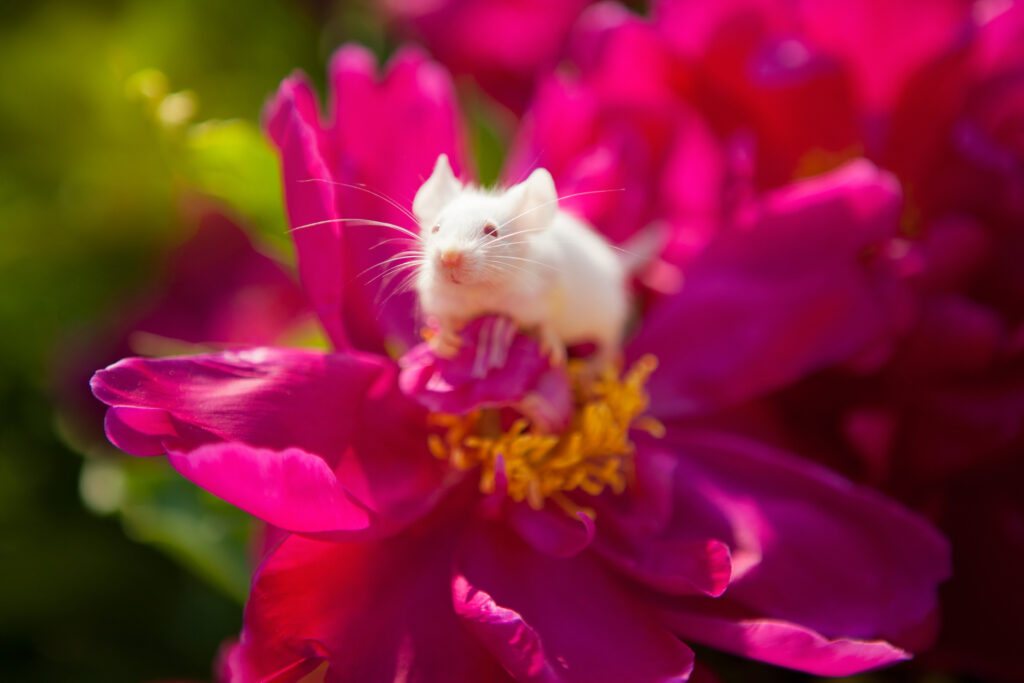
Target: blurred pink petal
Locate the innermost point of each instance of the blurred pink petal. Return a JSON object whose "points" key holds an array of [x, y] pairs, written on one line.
{"points": [[503, 45], [790, 285], [622, 144], [872, 37]]}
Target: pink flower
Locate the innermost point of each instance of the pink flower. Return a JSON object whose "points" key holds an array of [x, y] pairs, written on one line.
{"points": [[933, 394], [418, 551]]}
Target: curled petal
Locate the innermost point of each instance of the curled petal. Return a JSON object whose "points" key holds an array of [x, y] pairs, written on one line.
{"points": [[291, 489], [784, 643], [637, 538], [550, 530], [813, 548], [558, 620]]}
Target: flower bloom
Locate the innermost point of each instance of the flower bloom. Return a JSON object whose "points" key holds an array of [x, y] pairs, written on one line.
{"points": [[435, 536], [917, 389]]}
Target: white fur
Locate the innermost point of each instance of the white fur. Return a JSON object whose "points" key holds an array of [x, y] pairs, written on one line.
{"points": [[545, 269]]}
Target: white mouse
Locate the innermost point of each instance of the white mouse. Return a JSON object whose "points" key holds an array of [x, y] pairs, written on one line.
{"points": [[515, 253]]}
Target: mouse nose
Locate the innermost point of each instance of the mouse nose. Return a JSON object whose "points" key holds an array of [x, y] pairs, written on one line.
{"points": [[450, 258]]}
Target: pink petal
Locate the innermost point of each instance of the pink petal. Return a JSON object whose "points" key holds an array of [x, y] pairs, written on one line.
{"points": [[343, 172], [291, 489], [374, 612], [265, 397], [636, 536], [550, 530], [292, 121], [696, 27], [672, 566], [558, 620], [847, 29], [813, 548], [785, 291], [343, 408], [618, 137], [782, 643], [462, 34]]}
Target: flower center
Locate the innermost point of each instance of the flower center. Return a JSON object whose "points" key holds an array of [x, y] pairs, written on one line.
{"points": [[593, 454]]}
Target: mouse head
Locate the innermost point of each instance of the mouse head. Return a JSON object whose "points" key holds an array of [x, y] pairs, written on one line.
{"points": [[475, 237]]}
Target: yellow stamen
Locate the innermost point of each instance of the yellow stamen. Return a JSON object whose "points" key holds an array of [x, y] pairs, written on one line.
{"points": [[592, 455]]}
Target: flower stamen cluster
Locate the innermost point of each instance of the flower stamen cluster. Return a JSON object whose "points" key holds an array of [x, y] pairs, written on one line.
{"points": [[593, 454]]}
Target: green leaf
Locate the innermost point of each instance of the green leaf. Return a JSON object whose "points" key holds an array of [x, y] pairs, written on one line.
{"points": [[231, 160], [158, 507]]}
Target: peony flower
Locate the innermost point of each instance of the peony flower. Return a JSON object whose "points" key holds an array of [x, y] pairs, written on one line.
{"points": [[922, 395], [437, 534]]}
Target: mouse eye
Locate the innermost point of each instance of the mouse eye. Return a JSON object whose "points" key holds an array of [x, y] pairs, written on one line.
{"points": [[490, 229], [435, 229]]}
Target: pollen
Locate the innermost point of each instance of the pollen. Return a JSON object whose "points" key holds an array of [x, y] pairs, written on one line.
{"points": [[592, 455]]}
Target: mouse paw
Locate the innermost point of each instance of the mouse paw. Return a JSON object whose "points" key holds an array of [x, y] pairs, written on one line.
{"points": [[445, 343], [551, 346]]}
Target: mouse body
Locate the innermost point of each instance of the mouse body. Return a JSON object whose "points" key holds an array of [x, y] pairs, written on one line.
{"points": [[514, 253]]}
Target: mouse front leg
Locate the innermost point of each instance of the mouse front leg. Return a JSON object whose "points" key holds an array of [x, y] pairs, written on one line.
{"points": [[551, 344], [446, 341]]}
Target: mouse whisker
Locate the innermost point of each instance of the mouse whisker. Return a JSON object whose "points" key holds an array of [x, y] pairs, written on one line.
{"points": [[556, 200], [392, 240], [405, 286], [403, 259], [505, 268], [504, 257], [385, 224], [359, 221], [387, 276], [513, 234], [507, 244], [363, 188]]}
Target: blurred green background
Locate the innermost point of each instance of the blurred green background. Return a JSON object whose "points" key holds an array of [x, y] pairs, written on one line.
{"points": [[111, 112], [114, 569]]}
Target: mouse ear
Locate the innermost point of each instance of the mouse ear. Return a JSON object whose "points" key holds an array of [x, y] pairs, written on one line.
{"points": [[539, 200], [440, 188]]}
